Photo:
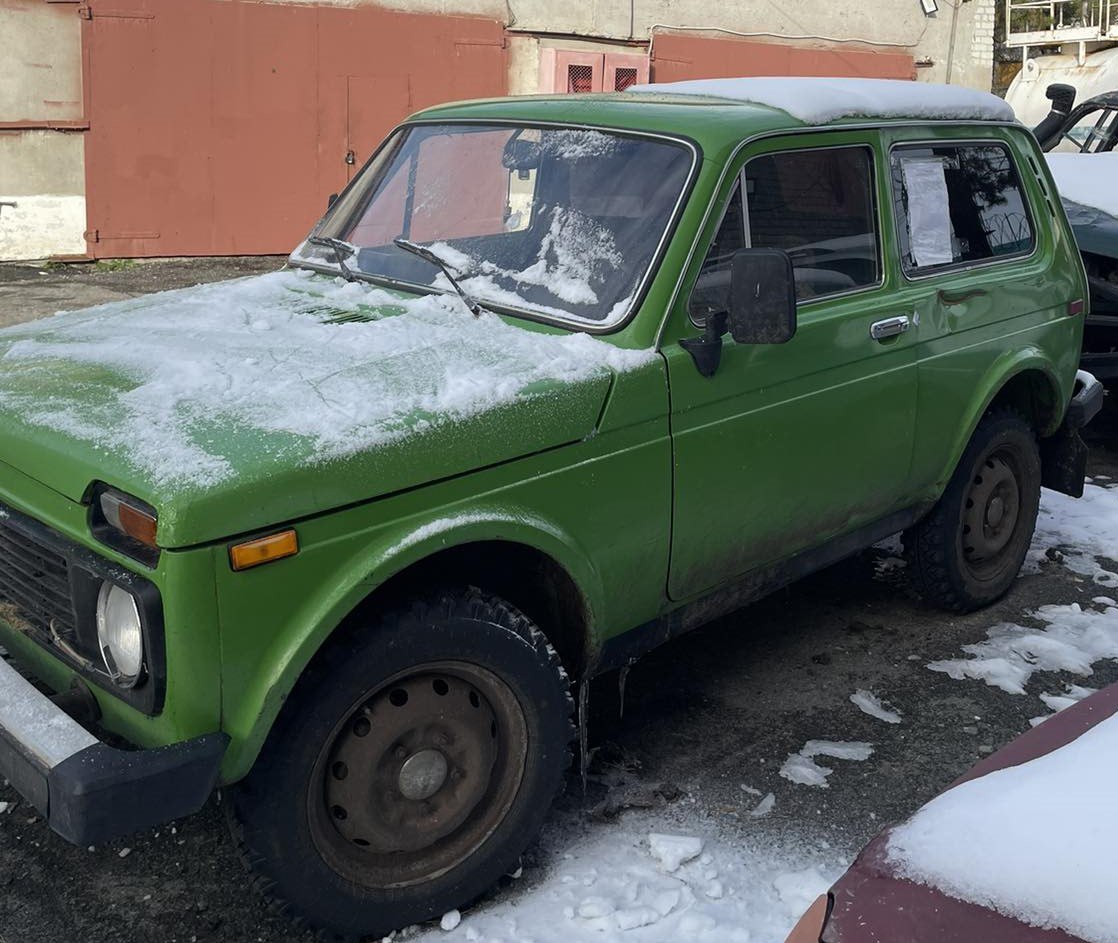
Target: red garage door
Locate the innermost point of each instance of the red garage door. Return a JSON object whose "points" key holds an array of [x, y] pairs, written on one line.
{"points": [[220, 126], [679, 56]]}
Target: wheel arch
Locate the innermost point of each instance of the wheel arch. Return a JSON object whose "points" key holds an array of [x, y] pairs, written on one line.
{"points": [[532, 564], [1024, 380]]}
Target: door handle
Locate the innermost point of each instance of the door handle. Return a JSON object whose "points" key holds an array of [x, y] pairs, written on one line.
{"points": [[890, 327]]}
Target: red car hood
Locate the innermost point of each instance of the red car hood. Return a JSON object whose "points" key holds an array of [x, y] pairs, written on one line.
{"points": [[873, 904]]}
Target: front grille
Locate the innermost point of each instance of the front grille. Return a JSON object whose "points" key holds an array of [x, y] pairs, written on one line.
{"points": [[34, 582]]}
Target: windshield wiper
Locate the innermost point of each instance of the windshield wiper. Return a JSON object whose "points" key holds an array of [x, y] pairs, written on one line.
{"points": [[428, 256], [339, 246]]}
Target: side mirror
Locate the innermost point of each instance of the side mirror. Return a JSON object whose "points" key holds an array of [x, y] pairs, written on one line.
{"points": [[762, 307], [762, 297]]}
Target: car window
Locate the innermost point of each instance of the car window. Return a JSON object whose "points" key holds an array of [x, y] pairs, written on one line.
{"points": [[1094, 131], [711, 293], [817, 205], [957, 205]]}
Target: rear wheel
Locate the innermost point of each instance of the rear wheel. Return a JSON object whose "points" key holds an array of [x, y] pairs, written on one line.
{"points": [[409, 769], [968, 550]]}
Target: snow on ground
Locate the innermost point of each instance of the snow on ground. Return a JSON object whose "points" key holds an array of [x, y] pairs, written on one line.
{"points": [[643, 881], [1070, 638], [1087, 179], [821, 100], [1057, 872], [1076, 531], [869, 703], [801, 767]]}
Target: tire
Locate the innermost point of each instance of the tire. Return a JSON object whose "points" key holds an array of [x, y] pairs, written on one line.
{"points": [[455, 715], [967, 552]]}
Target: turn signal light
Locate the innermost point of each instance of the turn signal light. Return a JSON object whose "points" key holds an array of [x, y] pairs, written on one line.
{"points": [[1076, 307], [127, 516], [263, 550]]}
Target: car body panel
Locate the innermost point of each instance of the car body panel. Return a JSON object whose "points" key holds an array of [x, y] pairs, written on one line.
{"points": [[873, 903]]}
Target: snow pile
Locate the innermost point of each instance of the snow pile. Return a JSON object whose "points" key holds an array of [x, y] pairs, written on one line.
{"points": [[1039, 839], [801, 767], [1087, 179], [261, 356], [1073, 694], [1081, 530], [868, 703], [624, 884], [1072, 639], [821, 100]]}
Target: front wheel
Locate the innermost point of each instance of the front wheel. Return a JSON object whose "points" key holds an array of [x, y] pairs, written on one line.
{"points": [[968, 550], [410, 768]]}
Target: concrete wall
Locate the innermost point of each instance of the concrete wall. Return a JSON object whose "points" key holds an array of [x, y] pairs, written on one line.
{"points": [[41, 168]]}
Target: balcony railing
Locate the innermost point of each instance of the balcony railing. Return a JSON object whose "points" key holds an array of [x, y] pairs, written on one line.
{"points": [[1050, 22]]}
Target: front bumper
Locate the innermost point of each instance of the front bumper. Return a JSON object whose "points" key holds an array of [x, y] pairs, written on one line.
{"points": [[88, 791]]}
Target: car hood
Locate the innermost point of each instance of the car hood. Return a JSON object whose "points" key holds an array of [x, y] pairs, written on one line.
{"points": [[243, 404], [1095, 231], [875, 901]]}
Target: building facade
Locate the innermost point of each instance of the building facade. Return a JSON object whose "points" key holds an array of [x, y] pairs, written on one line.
{"points": [[133, 128]]}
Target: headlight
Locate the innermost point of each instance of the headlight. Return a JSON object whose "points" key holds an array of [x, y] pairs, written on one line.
{"points": [[120, 635]]}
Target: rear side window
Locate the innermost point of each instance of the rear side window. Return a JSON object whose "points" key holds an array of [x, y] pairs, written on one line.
{"points": [[818, 205], [957, 205]]}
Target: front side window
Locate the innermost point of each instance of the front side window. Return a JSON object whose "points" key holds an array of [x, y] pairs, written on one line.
{"points": [[818, 206], [958, 204], [562, 222]]}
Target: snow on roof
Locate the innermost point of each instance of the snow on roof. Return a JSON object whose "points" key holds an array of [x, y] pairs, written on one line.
{"points": [[149, 377], [1087, 179], [821, 100], [1034, 841]]}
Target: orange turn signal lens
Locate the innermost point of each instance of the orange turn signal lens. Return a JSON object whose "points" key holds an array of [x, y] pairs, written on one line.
{"points": [[263, 550], [129, 516], [811, 925]]}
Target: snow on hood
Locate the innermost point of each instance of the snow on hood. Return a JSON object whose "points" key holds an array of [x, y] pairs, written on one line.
{"points": [[154, 377], [1087, 179], [821, 100], [1034, 841]]}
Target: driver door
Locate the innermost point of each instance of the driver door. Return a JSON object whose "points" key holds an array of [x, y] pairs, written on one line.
{"points": [[789, 445]]}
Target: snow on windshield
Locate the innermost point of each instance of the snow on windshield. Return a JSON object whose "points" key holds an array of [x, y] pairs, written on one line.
{"points": [[258, 355], [821, 100], [1034, 841], [563, 222], [1087, 179]]}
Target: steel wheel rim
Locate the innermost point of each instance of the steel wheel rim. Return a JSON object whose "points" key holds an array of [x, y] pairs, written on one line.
{"points": [[417, 775], [991, 513]]}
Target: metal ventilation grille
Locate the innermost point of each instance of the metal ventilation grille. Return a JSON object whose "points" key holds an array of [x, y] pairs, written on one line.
{"points": [[34, 583], [580, 78], [623, 78]]}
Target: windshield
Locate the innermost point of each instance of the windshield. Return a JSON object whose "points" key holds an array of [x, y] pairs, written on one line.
{"points": [[559, 222]]}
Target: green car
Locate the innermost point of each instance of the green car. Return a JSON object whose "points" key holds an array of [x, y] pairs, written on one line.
{"points": [[554, 380]]}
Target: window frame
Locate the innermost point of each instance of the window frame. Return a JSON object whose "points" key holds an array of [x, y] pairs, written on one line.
{"points": [[918, 275], [878, 216]]}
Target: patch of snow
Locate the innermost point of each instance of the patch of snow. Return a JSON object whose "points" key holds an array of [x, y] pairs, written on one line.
{"points": [[764, 807], [194, 359], [1073, 694], [673, 850], [1080, 529], [1087, 179], [1072, 639], [822, 100], [1105, 601], [450, 920], [801, 767], [868, 703], [1039, 839], [608, 887]]}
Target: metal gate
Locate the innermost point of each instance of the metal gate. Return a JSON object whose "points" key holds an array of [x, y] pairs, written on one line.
{"points": [[219, 127]]}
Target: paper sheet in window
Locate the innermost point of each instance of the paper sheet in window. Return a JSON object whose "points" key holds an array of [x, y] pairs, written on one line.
{"points": [[929, 215]]}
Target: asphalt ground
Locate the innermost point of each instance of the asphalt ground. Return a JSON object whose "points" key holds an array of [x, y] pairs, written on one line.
{"points": [[714, 710]]}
